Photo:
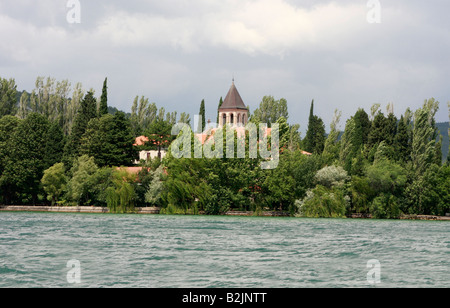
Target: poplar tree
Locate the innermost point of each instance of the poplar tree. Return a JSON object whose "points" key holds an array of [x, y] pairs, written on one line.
{"points": [[402, 143], [8, 99]]}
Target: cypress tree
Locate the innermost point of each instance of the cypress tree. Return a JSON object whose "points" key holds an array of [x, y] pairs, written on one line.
{"points": [[202, 121], [103, 109], [308, 141], [314, 141]]}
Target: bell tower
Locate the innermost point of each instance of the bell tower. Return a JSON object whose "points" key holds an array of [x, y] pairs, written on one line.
{"points": [[233, 110]]}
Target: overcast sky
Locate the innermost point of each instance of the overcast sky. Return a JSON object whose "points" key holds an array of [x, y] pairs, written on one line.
{"points": [[178, 52]]}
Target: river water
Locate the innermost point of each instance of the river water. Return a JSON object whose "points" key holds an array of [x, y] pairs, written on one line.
{"points": [[156, 251]]}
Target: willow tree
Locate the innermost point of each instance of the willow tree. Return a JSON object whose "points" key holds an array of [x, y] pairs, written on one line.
{"points": [[121, 196]]}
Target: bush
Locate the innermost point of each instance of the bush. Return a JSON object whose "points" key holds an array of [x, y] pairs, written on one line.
{"points": [[385, 206], [322, 202]]}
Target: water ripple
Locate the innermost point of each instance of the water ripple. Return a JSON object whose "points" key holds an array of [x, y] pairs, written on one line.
{"points": [[219, 252]]}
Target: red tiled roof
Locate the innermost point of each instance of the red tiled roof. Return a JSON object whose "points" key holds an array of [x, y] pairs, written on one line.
{"points": [[142, 140]]}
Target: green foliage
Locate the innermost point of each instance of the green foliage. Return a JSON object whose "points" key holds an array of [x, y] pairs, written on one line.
{"points": [[330, 154], [26, 159], [80, 186], [270, 110], [423, 143], [314, 141], [429, 193], [385, 206], [103, 108], [331, 176], [220, 105], [202, 120], [155, 189], [381, 166], [121, 196], [8, 100], [87, 111], [322, 202], [109, 140], [403, 141], [54, 182]]}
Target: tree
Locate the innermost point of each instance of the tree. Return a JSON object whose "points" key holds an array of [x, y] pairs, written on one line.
{"points": [[54, 144], [377, 131], [347, 149], [323, 202], [331, 149], [279, 184], [314, 141], [87, 111], [220, 105], [423, 144], [8, 126], [109, 141], [121, 196], [362, 129], [270, 110], [387, 181], [103, 108], [8, 97], [202, 120], [159, 134], [331, 176], [402, 143], [390, 130], [429, 194], [156, 187], [54, 182], [27, 158], [80, 186]]}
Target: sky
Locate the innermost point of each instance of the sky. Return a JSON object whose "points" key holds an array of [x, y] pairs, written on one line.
{"points": [[345, 54]]}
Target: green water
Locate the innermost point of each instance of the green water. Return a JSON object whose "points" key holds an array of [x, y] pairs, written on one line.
{"points": [[219, 252]]}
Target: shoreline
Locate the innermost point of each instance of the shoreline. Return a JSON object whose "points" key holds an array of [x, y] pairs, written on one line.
{"points": [[156, 211]]}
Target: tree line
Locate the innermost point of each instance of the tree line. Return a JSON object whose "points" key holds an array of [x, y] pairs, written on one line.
{"points": [[69, 150]]}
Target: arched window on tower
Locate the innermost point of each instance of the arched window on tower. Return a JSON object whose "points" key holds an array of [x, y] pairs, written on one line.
{"points": [[224, 119], [238, 119], [232, 119]]}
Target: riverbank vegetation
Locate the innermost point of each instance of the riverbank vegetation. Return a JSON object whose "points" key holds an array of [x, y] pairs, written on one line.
{"points": [[68, 150]]}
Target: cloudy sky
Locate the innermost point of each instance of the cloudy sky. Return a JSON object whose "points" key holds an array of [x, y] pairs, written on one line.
{"points": [[178, 52]]}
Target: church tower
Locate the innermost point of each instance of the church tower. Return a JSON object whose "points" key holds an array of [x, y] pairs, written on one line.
{"points": [[233, 110]]}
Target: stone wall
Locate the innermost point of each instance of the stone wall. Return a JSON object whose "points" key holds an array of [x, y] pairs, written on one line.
{"points": [[73, 209]]}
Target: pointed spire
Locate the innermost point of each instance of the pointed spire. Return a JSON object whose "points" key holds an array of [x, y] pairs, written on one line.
{"points": [[233, 99]]}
